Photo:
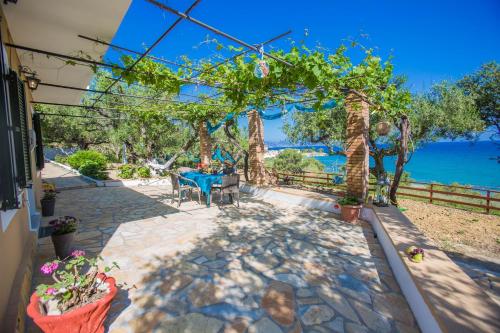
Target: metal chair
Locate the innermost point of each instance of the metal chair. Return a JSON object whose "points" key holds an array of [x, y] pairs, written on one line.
{"points": [[230, 185], [187, 185]]}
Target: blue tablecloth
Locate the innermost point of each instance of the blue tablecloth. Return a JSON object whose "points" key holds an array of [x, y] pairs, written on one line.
{"points": [[204, 181]]}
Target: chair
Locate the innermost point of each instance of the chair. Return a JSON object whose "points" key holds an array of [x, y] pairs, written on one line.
{"points": [[230, 185], [187, 185]]}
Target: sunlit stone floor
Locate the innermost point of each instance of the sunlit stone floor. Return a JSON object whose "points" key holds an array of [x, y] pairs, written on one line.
{"points": [[265, 267]]}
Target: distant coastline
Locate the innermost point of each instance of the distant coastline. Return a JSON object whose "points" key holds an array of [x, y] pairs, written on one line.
{"points": [[467, 163]]}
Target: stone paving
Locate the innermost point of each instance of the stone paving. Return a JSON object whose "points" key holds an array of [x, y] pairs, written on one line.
{"points": [[266, 267], [63, 178]]}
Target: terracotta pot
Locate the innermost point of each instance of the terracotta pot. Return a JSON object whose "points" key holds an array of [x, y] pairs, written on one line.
{"points": [[87, 319], [63, 244], [350, 213], [48, 206], [383, 128]]}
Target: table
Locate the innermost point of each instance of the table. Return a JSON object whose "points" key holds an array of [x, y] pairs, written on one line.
{"points": [[204, 181]]}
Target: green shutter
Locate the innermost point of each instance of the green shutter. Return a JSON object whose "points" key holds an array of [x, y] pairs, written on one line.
{"points": [[20, 129]]}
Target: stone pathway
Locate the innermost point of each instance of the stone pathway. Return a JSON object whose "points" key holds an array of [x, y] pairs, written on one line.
{"points": [[266, 267], [62, 178]]}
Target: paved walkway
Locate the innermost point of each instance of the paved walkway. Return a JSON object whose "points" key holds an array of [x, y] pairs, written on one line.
{"points": [[266, 267], [62, 178]]}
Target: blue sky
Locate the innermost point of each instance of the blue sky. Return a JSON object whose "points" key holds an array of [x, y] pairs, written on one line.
{"points": [[429, 40]]}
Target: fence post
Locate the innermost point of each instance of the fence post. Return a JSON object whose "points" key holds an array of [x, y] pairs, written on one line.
{"points": [[327, 179], [488, 196], [431, 193]]}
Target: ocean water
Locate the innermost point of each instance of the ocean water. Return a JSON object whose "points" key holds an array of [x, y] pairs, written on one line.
{"points": [[444, 162]]}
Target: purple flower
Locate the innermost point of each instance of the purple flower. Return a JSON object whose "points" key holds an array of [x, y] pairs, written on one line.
{"points": [[49, 267], [77, 253]]}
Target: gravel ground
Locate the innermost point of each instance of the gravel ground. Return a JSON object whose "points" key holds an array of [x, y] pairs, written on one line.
{"points": [[456, 230]]}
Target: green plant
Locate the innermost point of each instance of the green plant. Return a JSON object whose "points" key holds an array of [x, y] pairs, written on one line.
{"points": [[64, 225], [77, 159], [93, 170], [127, 171], [61, 159], [349, 200], [144, 172], [291, 160], [49, 195], [76, 282]]}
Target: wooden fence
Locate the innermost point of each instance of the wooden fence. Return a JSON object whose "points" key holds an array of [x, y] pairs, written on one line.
{"points": [[482, 199]]}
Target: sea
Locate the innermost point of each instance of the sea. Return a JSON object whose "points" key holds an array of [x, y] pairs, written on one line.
{"points": [[468, 163]]}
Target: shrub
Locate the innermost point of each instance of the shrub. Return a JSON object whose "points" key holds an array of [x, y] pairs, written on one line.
{"points": [[93, 170], [126, 171], [144, 172], [61, 159], [77, 159], [291, 160]]}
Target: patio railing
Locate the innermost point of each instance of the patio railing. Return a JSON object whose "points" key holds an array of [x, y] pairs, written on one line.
{"points": [[480, 199]]}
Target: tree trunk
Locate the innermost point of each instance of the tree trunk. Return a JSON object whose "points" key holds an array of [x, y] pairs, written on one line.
{"points": [[402, 150], [378, 169], [183, 150], [132, 156], [235, 142]]}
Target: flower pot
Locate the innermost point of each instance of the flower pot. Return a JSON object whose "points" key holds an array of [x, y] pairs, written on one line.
{"points": [[350, 213], [87, 319], [383, 128], [63, 244], [48, 206]]}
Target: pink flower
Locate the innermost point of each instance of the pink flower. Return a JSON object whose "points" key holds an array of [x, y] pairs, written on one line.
{"points": [[77, 253], [49, 267], [51, 291]]}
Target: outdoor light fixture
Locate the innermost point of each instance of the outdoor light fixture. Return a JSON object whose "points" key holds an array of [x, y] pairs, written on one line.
{"points": [[33, 82], [31, 78]]}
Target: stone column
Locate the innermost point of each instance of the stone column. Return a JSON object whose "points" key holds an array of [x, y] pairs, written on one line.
{"points": [[256, 149], [357, 152], [205, 144]]}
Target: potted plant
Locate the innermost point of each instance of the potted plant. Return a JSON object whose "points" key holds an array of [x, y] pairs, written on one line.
{"points": [[48, 203], [79, 298], [63, 234], [350, 207]]}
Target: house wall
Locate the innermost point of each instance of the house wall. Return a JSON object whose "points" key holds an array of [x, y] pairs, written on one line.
{"points": [[17, 241]]}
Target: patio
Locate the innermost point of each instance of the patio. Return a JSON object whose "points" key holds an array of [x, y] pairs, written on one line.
{"points": [[268, 266]]}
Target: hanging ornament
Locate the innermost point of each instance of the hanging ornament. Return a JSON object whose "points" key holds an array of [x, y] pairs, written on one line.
{"points": [[383, 128], [261, 67]]}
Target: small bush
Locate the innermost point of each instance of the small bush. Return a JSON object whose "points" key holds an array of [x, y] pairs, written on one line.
{"points": [[126, 171], [77, 159], [144, 172], [93, 170], [61, 159], [291, 160]]}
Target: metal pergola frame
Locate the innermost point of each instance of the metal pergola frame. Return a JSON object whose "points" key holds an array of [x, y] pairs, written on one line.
{"points": [[192, 79]]}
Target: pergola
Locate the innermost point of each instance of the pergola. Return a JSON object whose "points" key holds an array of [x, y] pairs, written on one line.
{"points": [[356, 105]]}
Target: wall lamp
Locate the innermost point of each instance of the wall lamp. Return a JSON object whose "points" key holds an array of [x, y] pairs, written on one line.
{"points": [[31, 78]]}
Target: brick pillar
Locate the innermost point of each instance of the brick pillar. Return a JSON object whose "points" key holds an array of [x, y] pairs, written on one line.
{"points": [[205, 144], [256, 149], [357, 152]]}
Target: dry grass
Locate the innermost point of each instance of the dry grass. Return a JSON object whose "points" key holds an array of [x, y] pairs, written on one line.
{"points": [[456, 230]]}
